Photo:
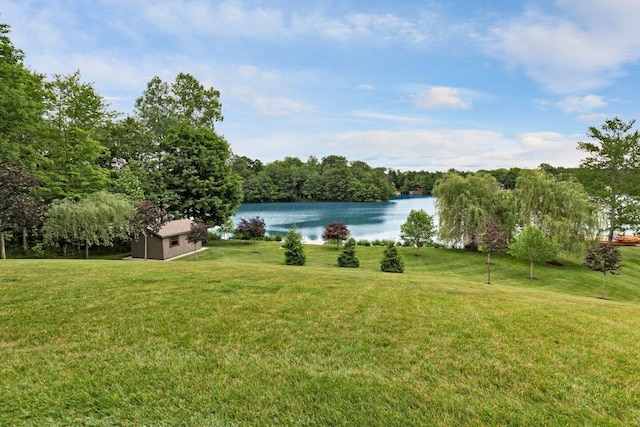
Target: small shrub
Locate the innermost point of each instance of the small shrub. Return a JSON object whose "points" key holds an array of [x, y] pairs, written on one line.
{"points": [[348, 256], [364, 243], [214, 236], [37, 250], [293, 248], [391, 261]]}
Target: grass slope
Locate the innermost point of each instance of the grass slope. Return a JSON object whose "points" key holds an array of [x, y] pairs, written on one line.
{"points": [[238, 338]]}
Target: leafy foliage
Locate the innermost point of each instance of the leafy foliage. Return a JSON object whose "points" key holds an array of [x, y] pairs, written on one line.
{"points": [[464, 203], [18, 205], [533, 245], [348, 256], [97, 219], [77, 159], [194, 176], [146, 216], [335, 232], [198, 233], [605, 259], [21, 107], [560, 208], [186, 100], [293, 248], [492, 239], [251, 229], [610, 170], [419, 229], [391, 261], [334, 178]]}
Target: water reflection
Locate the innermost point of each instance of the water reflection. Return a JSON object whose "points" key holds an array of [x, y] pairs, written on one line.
{"points": [[368, 221]]}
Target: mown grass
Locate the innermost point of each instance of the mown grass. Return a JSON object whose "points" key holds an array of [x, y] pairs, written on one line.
{"points": [[238, 338]]}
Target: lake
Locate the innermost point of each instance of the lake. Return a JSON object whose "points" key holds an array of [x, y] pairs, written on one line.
{"points": [[365, 220]]}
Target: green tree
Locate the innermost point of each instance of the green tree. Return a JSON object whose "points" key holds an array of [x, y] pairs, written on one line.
{"points": [[293, 248], [335, 232], [419, 229], [97, 219], [605, 259], [391, 261], [76, 118], [492, 239], [195, 176], [197, 233], [21, 108], [560, 208], [251, 229], [533, 245], [464, 202], [611, 170], [348, 256], [186, 100]]}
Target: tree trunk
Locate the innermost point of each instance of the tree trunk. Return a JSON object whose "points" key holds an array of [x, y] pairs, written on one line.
{"points": [[3, 254], [25, 247], [64, 249], [531, 270], [146, 245], [86, 250], [488, 268]]}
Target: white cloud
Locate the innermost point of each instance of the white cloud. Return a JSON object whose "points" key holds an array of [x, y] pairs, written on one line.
{"points": [[441, 98], [470, 149], [366, 87], [581, 104], [585, 45]]}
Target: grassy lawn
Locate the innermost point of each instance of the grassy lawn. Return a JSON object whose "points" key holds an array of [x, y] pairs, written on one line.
{"points": [[239, 339]]}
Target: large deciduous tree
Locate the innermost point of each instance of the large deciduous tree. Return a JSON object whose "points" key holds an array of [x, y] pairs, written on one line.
{"points": [[97, 219], [464, 203], [611, 170], [560, 208], [186, 100], [21, 107], [195, 178], [419, 229], [76, 118]]}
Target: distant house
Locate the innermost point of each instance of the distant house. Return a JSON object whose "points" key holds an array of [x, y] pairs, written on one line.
{"points": [[169, 242]]}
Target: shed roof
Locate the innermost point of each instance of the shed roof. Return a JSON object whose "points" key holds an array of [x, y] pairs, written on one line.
{"points": [[174, 228]]}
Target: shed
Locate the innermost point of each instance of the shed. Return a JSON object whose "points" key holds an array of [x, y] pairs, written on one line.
{"points": [[168, 242]]}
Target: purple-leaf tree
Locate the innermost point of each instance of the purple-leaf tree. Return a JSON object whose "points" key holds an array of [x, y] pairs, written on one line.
{"points": [[251, 229], [335, 231], [605, 259], [146, 217], [492, 239], [198, 233]]}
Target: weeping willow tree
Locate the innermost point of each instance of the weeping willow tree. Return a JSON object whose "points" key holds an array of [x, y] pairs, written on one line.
{"points": [[97, 219], [560, 209], [464, 203]]}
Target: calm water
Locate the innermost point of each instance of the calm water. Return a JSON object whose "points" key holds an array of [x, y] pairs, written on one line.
{"points": [[368, 221]]}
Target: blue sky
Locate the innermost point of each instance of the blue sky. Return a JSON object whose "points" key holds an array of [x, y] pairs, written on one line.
{"points": [[410, 85]]}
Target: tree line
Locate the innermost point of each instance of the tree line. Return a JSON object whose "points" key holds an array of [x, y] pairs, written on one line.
{"points": [[66, 156]]}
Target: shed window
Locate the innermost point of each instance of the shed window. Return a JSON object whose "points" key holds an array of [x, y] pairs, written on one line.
{"points": [[175, 241]]}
